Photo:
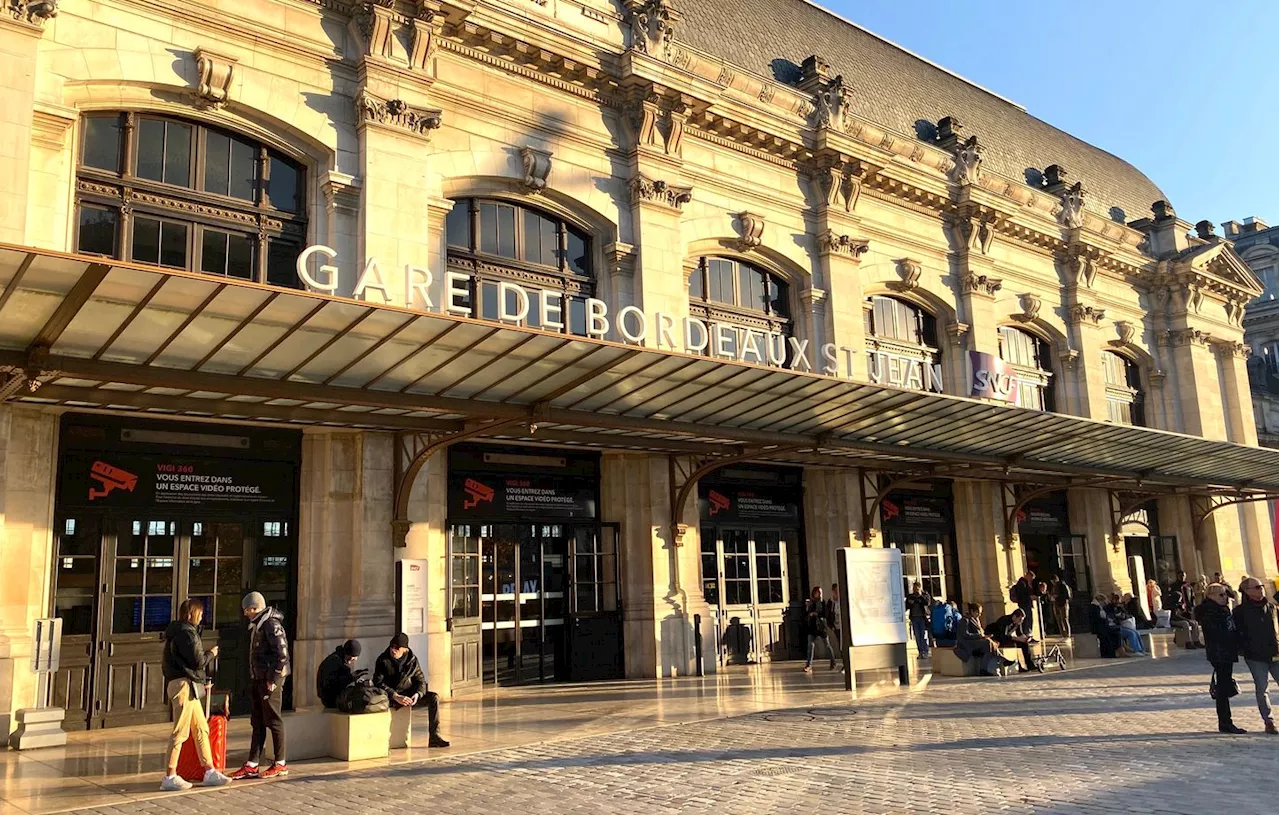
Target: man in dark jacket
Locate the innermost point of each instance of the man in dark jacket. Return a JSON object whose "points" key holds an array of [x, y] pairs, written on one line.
{"points": [[1060, 598], [1024, 594], [268, 667], [1180, 594], [1220, 648], [918, 604], [335, 672], [1256, 623], [398, 673], [1007, 631]]}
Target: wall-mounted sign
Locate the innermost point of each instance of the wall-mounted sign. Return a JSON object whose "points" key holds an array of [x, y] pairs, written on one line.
{"points": [[490, 495], [1046, 515], [729, 503], [907, 512], [111, 480], [885, 368], [993, 378], [874, 596]]}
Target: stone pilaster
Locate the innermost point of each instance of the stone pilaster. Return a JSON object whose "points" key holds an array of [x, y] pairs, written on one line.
{"points": [[838, 180], [19, 40], [346, 573], [832, 520], [1089, 512], [428, 540], [986, 566], [1197, 396], [1088, 397]]}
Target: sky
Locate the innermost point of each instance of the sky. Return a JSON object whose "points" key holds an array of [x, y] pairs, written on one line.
{"points": [[1184, 90]]}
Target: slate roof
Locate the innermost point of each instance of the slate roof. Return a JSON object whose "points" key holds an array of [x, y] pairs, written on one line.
{"points": [[894, 88]]}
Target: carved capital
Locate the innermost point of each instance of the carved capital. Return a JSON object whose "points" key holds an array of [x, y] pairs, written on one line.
{"points": [[829, 243], [536, 165], [1157, 378], [1030, 305], [33, 12], [371, 110], [909, 271], [840, 180], [652, 25], [980, 284], [1232, 349], [622, 259], [648, 190], [751, 227], [214, 74], [812, 299], [1187, 336], [1080, 314]]}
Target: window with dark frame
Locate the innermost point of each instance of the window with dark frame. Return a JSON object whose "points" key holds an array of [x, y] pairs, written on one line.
{"points": [[497, 241], [732, 292], [159, 190], [1124, 390], [1029, 356]]}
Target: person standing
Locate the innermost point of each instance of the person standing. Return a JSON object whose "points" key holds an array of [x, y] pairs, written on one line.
{"points": [[1256, 621], [1024, 595], [335, 672], [1181, 595], [815, 616], [833, 622], [397, 672], [1220, 648], [185, 671], [1060, 597], [268, 667], [918, 604]]}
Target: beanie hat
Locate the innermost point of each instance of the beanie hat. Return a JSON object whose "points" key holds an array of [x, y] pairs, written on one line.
{"points": [[351, 648], [253, 599], [400, 640]]}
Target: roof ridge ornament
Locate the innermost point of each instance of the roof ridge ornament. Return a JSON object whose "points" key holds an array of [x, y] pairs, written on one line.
{"points": [[967, 168], [652, 25], [1071, 216]]}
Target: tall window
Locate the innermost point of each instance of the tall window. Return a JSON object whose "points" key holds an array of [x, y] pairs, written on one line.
{"points": [[158, 190], [902, 344], [1124, 390], [756, 303], [495, 241], [1029, 355]]}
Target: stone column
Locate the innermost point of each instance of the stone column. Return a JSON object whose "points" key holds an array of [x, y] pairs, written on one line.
{"points": [[833, 505], [986, 566], [28, 461], [1090, 515], [1084, 327], [19, 41], [346, 575], [1237, 405], [838, 180], [428, 540]]}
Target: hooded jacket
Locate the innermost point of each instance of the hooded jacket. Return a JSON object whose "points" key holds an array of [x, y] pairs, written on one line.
{"points": [[268, 648], [1221, 640], [1256, 625], [402, 676], [184, 654], [333, 675]]}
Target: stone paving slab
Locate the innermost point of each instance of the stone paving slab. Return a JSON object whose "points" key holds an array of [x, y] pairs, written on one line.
{"points": [[1132, 737]]}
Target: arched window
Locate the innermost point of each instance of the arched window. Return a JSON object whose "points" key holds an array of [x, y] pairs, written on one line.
{"points": [[1124, 390], [497, 241], [154, 189], [902, 344], [1029, 356], [730, 292]]}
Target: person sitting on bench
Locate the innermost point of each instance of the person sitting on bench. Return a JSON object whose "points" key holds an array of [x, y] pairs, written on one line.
{"points": [[1101, 626], [942, 624], [973, 643], [335, 672], [398, 673], [1007, 633]]}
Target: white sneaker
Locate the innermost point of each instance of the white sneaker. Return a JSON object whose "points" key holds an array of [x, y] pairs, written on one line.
{"points": [[174, 783], [213, 778]]}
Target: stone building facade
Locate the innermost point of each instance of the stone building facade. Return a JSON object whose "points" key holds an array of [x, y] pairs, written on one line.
{"points": [[795, 194]]}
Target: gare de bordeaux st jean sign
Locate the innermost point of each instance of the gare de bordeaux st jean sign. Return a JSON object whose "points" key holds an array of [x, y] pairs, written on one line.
{"points": [[991, 378]]}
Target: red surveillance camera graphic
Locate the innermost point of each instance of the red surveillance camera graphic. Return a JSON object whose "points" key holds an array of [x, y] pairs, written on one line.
{"points": [[719, 503], [477, 494], [110, 478]]}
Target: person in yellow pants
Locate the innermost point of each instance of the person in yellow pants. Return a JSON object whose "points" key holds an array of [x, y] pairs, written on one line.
{"points": [[185, 664]]}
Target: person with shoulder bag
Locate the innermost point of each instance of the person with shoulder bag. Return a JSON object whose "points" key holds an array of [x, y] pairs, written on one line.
{"points": [[1255, 619], [815, 616], [1221, 646], [184, 667]]}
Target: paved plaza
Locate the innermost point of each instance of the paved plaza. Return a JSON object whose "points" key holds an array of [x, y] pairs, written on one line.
{"points": [[1130, 737]]}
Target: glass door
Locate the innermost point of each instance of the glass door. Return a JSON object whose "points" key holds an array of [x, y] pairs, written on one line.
{"points": [[745, 573], [464, 606], [595, 611], [78, 548]]}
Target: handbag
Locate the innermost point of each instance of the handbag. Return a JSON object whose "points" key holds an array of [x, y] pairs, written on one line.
{"points": [[1224, 690]]}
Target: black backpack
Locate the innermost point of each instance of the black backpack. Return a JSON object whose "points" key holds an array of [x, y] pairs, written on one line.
{"points": [[362, 697]]}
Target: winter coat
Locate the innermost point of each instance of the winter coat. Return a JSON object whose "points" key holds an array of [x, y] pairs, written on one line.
{"points": [[1003, 628], [334, 675], [1023, 592], [268, 648], [1256, 624], [970, 640], [815, 617], [1221, 640], [402, 676], [918, 605], [184, 654]]}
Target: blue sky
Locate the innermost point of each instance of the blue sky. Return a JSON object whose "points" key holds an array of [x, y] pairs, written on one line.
{"points": [[1185, 91]]}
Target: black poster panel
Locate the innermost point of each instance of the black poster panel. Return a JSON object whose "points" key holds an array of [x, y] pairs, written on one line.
{"points": [[1046, 515], [910, 512], [730, 503], [491, 495], [109, 480]]}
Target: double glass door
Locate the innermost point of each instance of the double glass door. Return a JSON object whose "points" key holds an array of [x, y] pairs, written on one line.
{"points": [[746, 577], [117, 584]]}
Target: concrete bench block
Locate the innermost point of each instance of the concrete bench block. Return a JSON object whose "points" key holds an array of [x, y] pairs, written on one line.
{"points": [[38, 727], [358, 737], [1085, 646], [401, 727], [308, 733], [946, 663]]}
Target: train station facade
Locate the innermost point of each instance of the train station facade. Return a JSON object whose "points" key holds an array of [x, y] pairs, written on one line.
{"points": [[619, 318]]}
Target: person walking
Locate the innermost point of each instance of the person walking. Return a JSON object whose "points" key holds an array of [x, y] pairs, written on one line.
{"points": [[918, 604], [1220, 647], [185, 668], [398, 673], [268, 667], [815, 616], [833, 622], [1255, 619], [1060, 597], [335, 672]]}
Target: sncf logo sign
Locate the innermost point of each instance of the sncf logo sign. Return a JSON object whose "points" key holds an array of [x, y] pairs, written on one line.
{"points": [[110, 478], [718, 502], [477, 494]]}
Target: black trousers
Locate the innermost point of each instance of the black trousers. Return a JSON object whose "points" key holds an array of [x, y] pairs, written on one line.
{"points": [[1025, 648], [431, 701], [1223, 702], [264, 715]]}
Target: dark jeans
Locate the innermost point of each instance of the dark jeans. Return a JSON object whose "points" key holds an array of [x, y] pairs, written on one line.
{"points": [[1223, 702], [1025, 648], [431, 701], [264, 714], [920, 628], [1026, 620]]}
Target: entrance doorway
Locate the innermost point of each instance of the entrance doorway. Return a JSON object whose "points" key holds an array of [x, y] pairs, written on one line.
{"points": [[1159, 555], [1066, 556], [534, 602], [746, 578]]}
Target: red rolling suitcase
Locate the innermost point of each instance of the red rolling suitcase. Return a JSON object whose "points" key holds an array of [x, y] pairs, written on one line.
{"points": [[217, 705]]}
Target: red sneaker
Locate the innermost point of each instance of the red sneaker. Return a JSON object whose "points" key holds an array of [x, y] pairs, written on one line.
{"points": [[276, 770], [245, 772]]}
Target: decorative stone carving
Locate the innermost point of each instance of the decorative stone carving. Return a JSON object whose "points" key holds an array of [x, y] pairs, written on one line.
{"points": [[214, 74], [975, 231], [1071, 216], [1081, 270], [841, 180], [956, 331], [752, 227], [644, 189], [372, 21], [1232, 349], [428, 25], [677, 115], [831, 101], [1070, 358], [1235, 311], [1188, 336], [1126, 332], [643, 108], [341, 191], [1192, 297], [1163, 211], [396, 113], [980, 284], [831, 243], [1030, 305], [622, 259], [537, 166], [35, 12], [1204, 231], [1080, 314], [813, 299], [909, 270], [968, 162], [1054, 178], [652, 25]]}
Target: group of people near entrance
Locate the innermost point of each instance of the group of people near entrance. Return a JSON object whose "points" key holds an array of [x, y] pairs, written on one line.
{"points": [[187, 665]]}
